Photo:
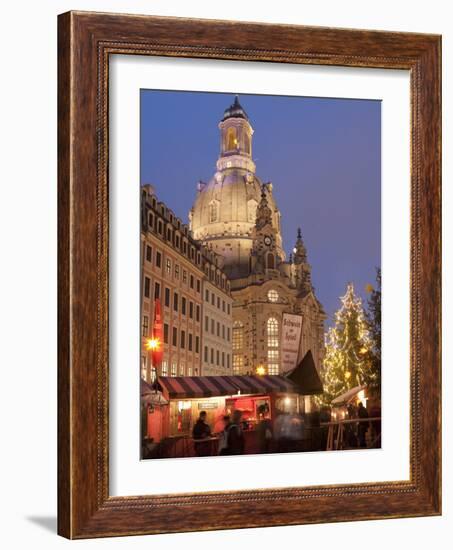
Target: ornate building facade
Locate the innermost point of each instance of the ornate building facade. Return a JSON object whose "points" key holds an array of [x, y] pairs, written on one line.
{"points": [[235, 214], [179, 273], [217, 317]]}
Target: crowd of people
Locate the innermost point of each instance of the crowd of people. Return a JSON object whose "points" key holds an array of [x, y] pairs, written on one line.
{"points": [[282, 435], [286, 433]]}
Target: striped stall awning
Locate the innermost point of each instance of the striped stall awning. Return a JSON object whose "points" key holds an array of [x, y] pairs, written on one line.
{"points": [[183, 387]]}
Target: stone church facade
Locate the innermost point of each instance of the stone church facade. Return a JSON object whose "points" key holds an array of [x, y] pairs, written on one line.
{"points": [[236, 215]]}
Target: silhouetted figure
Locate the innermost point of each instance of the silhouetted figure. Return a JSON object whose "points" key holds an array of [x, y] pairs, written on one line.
{"points": [[264, 431], [232, 438], [289, 431], [375, 426], [363, 426], [350, 429], [201, 430]]}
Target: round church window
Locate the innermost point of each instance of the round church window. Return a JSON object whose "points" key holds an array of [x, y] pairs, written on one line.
{"points": [[272, 296]]}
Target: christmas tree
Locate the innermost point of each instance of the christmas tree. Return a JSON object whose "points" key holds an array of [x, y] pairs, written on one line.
{"points": [[347, 358], [373, 316]]}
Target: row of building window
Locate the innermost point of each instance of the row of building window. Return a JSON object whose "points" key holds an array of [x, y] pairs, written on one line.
{"points": [[217, 329], [187, 306], [272, 362], [165, 371], [186, 278], [214, 300], [174, 238], [215, 276], [174, 369], [273, 343], [273, 352], [215, 357], [184, 308], [182, 339]]}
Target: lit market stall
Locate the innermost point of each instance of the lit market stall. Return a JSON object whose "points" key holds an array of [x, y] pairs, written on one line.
{"points": [[257, 397], [220, 395]]}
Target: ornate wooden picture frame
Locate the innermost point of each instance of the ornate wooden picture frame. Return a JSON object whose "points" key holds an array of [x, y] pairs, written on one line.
{"points": [[86, 41]]}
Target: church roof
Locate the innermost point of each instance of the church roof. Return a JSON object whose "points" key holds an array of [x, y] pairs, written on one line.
{"points": [[235, 111]]}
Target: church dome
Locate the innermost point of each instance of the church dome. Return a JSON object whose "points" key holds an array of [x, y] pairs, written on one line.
{"points": [[226, 206], [224, 212]]}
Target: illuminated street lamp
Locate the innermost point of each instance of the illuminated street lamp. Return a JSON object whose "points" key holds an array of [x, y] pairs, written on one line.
{"points": [[152, 344], [260, 370]]}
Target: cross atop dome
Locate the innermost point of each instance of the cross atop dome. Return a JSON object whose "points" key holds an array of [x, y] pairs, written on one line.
{"points": [[235, 110]]}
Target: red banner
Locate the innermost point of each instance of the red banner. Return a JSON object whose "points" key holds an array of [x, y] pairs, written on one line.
{"points": [[157, 338]]}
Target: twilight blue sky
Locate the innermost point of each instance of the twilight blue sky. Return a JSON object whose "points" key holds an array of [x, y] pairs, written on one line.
{"points": [[323, 157]]}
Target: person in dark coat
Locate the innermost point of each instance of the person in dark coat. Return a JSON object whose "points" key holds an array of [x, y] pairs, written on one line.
{"points": [[232, 441], [362, 413], [264, 431], [201, 430], [350, 429]]}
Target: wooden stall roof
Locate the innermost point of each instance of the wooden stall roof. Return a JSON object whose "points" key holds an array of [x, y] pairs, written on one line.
{"points": [[181, 387]]}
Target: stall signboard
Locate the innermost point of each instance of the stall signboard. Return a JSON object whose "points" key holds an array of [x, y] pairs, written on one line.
{"points": [[291, 332], [208, 404]]}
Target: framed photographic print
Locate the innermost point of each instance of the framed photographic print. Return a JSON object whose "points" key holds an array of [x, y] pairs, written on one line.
{"points": [[249, 275]]}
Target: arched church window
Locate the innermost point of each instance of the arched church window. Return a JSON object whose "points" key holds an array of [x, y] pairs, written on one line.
{"points": [[272, 332], [270, 261], [238, 335], [247, 143], [213, 211], [238, 363], [272, 296], [231, 141], [272, 346]]}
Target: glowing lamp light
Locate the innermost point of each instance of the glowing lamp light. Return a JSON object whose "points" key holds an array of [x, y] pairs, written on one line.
{"points": [[361, 397], [287, 400], [152, 344], [347, 375], [294, 250], [260, 370]]}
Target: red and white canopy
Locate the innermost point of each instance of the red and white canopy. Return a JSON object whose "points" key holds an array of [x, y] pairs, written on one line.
{"points": [[184, 387]]}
